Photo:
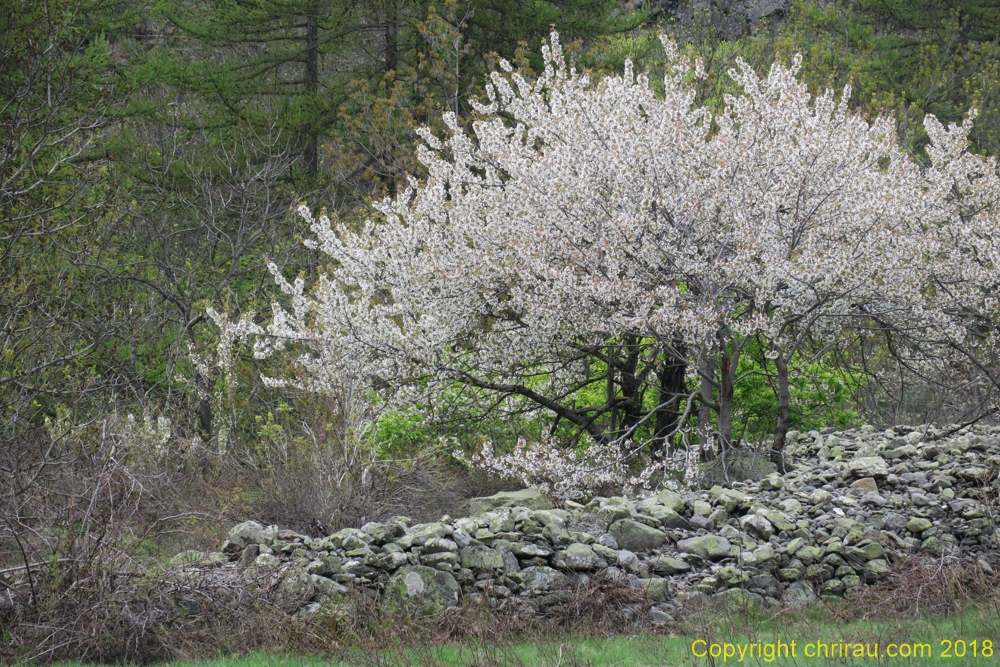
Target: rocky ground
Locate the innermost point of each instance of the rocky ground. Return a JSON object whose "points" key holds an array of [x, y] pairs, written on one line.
{"points": [[851, 507]]}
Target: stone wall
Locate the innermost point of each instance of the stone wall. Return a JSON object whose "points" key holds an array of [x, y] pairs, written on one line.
{"points": [[852, 506]]}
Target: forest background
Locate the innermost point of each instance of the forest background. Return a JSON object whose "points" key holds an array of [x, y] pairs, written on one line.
{"points": [[153, 157]]}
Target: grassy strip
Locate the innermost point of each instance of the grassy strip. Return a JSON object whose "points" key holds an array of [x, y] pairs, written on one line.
{"points": [[930, 641]]}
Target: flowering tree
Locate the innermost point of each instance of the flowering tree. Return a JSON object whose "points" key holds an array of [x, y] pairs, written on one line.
{"points": [[598, 234], [954, 318]]}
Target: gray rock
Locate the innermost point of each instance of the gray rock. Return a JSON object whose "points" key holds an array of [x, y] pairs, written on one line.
{"points": [[865, 485], [709, 547], [757, 525], [667, 517], [728, 498], [439, 545], [766, 585], [781, 522], [246, 533], [821, 497], [442, 558], [785, 542], [918, 525], [716, 519], [266, 560], [578, 557], [540, 579], [531, 550], [877, 567], [669, 565], [296, 589], [479, 557], [656, 588], [772, 483], [635, 536], [671, 500], [422, 590], [799, 594], [423, 533], [510, 564], [868, 466], [309, 610], [764, 554], [903, 452], [201, 558]]}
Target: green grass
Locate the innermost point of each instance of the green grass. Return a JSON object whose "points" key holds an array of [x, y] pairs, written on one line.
{"points": [[732, 626]]}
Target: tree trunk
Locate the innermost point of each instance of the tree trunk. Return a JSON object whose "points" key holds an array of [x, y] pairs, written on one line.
{"points": [[727, 386], [311, 157], [671, 387], [631, 385], [204, 387], [781, 431], [611, 394], [391, 36], [391, 63], [204, 408], [727, 372], [705, 412]]}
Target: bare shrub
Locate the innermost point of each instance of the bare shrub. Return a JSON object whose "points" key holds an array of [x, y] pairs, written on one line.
{"points": [[605, 607], [143, 617], [922, 586], [481, 633], [79, 566], [308, 493]]}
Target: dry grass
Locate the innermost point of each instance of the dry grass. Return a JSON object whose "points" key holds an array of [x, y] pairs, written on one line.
{"points": [[923, 586]]}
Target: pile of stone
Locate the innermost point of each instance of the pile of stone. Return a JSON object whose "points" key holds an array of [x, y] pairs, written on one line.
{"points": [[852, 505]]}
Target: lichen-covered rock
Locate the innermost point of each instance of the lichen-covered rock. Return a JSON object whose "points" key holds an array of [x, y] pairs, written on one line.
{"points": [[440, 545], [540, 579], [423, 533], [709, 547], [657, 589], [421, 590], [671, 500], [666, 517], [577, 557], [296, 588], [483, 558], [635, 536], [799, 594], [779, 520], [669, 565], [246, 533], [531, 550], [865, 485], [728, 498], [757, 525], [868, 466], [733, 576], [772, 483]]}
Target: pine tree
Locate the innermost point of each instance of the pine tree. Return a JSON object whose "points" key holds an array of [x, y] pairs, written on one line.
{"points": [[264, 64]]}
